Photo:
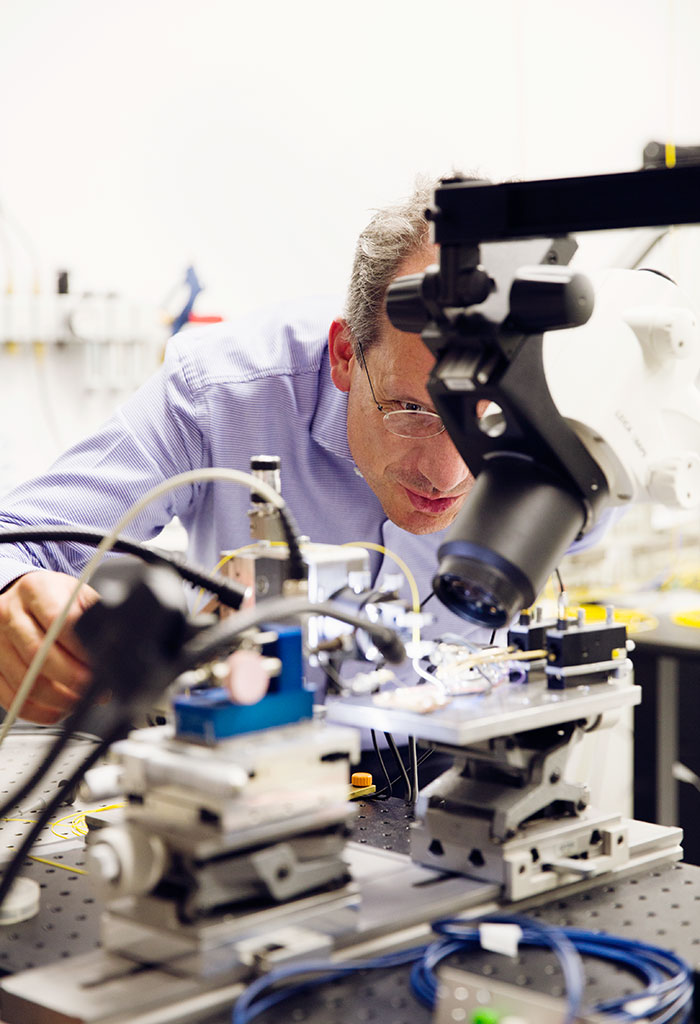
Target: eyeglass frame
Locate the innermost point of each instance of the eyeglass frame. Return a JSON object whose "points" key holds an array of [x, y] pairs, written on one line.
{"points": [[392, 412]]}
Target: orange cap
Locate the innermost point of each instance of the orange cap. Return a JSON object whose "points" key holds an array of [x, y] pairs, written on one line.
{"points": [[361, 779]]}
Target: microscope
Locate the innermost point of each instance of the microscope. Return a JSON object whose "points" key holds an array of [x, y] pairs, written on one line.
{"points": [[593, 404]]}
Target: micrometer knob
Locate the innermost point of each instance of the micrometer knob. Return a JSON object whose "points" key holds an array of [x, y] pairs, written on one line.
{"points": [[411, 301]]}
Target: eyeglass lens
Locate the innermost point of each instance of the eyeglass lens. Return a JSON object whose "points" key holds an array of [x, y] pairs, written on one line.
{"points": [[407, 423]]}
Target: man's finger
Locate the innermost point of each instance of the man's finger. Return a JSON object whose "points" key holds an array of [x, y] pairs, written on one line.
{"points": [[44, 612], [27, 609], [25, 637], [33, 710], [46, 691]]}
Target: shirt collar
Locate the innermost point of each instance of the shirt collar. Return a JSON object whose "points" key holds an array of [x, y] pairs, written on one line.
{"points": [[329, 426]]}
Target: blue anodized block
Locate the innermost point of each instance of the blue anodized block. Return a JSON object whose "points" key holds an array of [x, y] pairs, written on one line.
{"points": [[210, 715]]}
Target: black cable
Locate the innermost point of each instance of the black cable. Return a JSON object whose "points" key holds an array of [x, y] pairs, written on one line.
{"points": [[380, 793], [648, 248], [425, 600], [377, 751], [331, 677], [559, 581], [37, 775], [391, 743], [70, 728], [219, 639], [298, 569], [98, 685], [413, 767], [493, 636], [228, 592], [33, 729], [15, 866]]}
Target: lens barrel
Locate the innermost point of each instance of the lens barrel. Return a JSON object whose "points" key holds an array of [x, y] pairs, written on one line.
{"points": [[510, 534]]}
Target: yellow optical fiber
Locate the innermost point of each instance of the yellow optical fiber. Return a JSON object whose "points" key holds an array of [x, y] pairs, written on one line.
{"points": [[410, 578], [690, 618], [222, 561], [56, 864], [415, 596], [232, 554], [59, 821], [76, 820]]}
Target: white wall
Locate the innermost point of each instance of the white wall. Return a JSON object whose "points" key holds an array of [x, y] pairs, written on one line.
{"points": [[254, 139]]}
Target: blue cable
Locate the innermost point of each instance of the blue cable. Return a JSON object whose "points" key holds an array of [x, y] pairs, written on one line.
{"points": [[246, 1009], [669, 983], [650, 962], [460, 934]]}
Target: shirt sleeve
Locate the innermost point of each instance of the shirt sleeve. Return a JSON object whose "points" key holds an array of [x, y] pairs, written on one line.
{"points": [[153, 436]]}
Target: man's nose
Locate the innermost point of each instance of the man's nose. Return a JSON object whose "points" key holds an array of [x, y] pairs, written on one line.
{"points": [[441, 463]]}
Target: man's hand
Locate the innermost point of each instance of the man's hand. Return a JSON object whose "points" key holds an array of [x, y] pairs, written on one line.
{"points": [[27, 609]]}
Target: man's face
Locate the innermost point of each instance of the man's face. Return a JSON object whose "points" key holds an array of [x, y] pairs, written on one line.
{"points": [[420, 482]]}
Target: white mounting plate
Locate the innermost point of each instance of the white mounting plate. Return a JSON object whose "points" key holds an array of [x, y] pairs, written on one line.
{"points": [[508, 709]]}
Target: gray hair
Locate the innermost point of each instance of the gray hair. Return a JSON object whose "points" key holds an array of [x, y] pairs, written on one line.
{"points": [[393, 234]]}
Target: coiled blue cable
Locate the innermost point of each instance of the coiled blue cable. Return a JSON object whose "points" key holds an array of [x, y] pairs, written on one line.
{"points": [[459, 935], [669, 982]]}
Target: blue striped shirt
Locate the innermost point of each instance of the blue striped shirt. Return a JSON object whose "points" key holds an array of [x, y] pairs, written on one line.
{"points": [[260, 385]]}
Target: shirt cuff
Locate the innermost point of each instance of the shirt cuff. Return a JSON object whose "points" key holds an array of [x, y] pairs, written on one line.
{"points": [[11, 569]]}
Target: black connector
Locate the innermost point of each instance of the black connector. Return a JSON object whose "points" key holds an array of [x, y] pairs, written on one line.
{"points": [[584, 645], [583, 654], [527, 635], [134, 637]]}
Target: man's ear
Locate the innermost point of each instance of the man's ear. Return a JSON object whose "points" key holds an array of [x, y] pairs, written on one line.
{"points": [[342, 354]]}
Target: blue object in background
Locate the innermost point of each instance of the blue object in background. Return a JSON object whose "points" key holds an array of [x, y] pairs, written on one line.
{"points": [[210, 715], [194, 287]]}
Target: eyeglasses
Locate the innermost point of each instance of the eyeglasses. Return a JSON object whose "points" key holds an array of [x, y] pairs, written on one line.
{"points": [[405, 422]]}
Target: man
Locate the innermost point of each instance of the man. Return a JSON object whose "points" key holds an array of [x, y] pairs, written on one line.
{"points": [[364, 456]]}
